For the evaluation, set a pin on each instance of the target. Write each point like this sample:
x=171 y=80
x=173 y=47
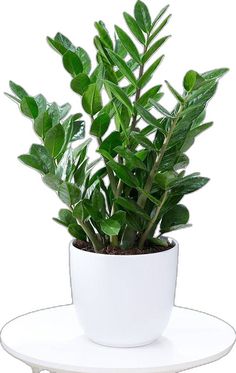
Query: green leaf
x=72 y=63
x=134 y=28
x=63 y=40
x=142 y=16
x=178 y=215
x=42 y=124
x=111 y=142
x=80 y=211
x=122 y=65
x=131 y=205
x=128 y=44
x=85 y=60
x=130 y=157
x=13 y=98
x=111 y=226
x=76 y=231
x=215 y=74
x=41 y=103
x=189 y=185
x=29 y=107
x=66 y=217
x=41 y=153
x=198 y=130
x=174 y=92
x=104 y=35
x=203 y=94
x=80 y=174
x=164 y=179
x=149 y=118
x=161 y=109
x=18 y=90
x=100 y=125
x=56 y=45
x=98 y=200
x=69 y=193
x=150 y=196
x=80 y=83
x=124 y=174
x=154 y=48
x=158 y=17
x=32 y=161
x=54 y=112
x=119 y=94
x=92 y=100
x=54 y=140
x=192 y=81
x=142 y=140
x=52 y=181
x=159 y=29
x=151 y=93
x=147 y=76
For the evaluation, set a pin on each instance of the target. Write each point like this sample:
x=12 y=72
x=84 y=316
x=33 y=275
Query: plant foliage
x=130 y=196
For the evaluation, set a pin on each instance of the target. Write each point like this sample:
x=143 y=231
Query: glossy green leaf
x=142 y=16
x=122 y=65
x=158 y=17
x=56 y=45
x=198 y=130
x=76 y=231
x=134 y=28
x=111 y=226
x=189 y=185
x=178 y=215
x=147 y=76
x=124 y=174
x=72 y=63
x=120 y=95
x=161 y=109
x=18 y=90
x=150 y=93
x=174 y=92
x=164 y=179
x=100 y=125
x=69 y=193
x=104 y=35
x=130 y=157
x=130 y=205
x=85 y=60
x=111 y=142
x=128 y=44
x=42 y=124
x=54 y=112
x=80 y=83
x=42 y=154
x=142 y=140
x=80 y=211
x=52 y=181
x=149 y=118
x=63 y=40
x=54 y=140
x=32 y=161
x=29 y=107
x=92 y=100
x=215 y=74
x=154 y=48
x=159 y=29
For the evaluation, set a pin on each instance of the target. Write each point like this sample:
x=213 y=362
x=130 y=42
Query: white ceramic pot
x=123 y=301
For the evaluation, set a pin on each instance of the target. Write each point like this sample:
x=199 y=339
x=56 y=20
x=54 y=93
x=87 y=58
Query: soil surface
x=109 y=250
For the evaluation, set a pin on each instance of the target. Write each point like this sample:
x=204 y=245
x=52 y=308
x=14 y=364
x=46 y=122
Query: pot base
x=120 y=345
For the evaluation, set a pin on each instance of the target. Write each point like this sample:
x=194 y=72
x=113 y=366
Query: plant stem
x=96 y=242
x=148 y=186
x=152 y=222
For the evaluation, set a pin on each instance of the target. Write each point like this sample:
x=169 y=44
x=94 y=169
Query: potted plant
x=120 y=206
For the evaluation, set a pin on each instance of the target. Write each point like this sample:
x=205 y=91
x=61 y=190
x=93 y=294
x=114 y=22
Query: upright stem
x=148 y=186
x=152 y=222
x=87 y=227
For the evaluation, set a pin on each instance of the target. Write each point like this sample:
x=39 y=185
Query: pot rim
x=172 y=240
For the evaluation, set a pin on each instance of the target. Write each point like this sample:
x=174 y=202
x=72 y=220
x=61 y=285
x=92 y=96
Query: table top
x=53 y=339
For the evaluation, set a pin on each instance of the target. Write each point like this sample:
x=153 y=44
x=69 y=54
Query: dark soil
x=109 y=250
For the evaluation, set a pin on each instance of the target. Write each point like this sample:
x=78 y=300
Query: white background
x=34 y=250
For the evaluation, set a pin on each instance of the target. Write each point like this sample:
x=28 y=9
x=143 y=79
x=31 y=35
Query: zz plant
x=130 y=196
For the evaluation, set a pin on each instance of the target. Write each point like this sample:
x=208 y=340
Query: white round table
x=53 y=340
